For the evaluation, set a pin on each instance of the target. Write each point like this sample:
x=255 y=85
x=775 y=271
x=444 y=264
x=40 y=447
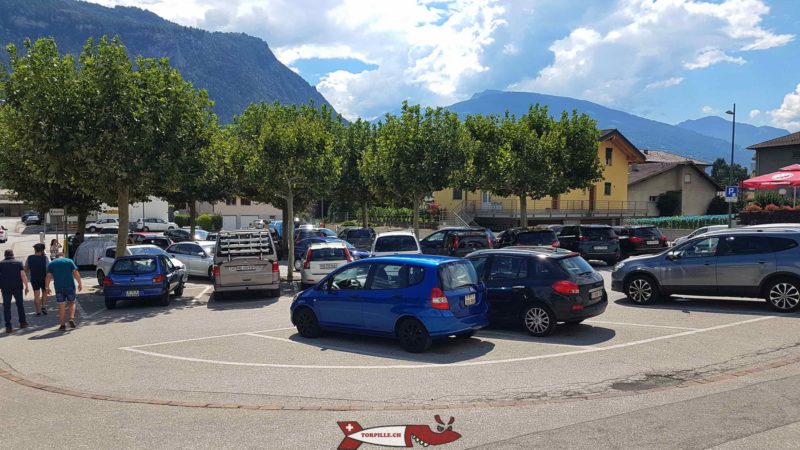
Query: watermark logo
x=407 y=436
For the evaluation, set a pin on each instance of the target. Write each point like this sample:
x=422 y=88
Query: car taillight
x=347 y=254
x=215 y=272
x=108 y=282
x=275 y=267
x=159 y=278
x=555 y=244
x=566 y=287
x=307 y=264
x=584 y=238
x=456 y=242
x=438 y=299
x=635 y=240
x=663 y=239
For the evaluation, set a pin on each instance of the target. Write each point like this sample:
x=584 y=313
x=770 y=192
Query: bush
x=765 y=198
x=772 y=208
x=718 y=205
x=209 y=222
x=682 y=222
x=788 y=208
x=182 y=220
x=752 y=207
x=668 y=203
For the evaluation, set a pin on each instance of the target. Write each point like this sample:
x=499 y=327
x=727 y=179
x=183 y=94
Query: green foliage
x=682 y=222
x=669 y=203
x=764 y=198
x=182 y=220
x=209 y=222
x=720 y=172
x=352 y=188
x=718 y=205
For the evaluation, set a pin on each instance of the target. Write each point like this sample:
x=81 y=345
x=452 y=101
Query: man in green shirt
x=63 y=271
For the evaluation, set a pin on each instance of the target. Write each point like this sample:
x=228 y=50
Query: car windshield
x=396 y=244
x=146 y=251
x=134 y=266
x=536 y=238
x=598 y=233
x=647 y=232
x=456 y=275
x=328 y=254
x=575 y=265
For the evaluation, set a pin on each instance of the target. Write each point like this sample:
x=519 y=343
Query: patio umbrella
x=785 y=176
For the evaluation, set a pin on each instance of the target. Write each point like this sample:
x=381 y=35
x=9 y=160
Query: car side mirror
x=673 y=255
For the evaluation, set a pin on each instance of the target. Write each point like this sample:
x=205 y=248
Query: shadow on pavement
x=239 y=301
x=750 y=307
x=565 y=334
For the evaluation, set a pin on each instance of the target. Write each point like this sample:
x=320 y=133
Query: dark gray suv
x=731 y=263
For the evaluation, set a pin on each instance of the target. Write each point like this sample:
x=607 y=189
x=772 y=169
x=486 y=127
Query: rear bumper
x=446 y=324
x=566 y=313
x=249 y=287
x=647 y=250
x=122 y=292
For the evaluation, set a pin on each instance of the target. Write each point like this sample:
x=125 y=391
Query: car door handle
x=762 y=262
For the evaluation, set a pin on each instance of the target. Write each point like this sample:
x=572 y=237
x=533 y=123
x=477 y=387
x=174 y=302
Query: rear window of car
x=598 y=233
x=326 y=232
x=328 y=254
x=647 y=232
x=456 y=275
x=134 y=266
x=359 y=234
x=536 y=238
x=396 y=244
x=146 y=251
x=781 y=244
x=575 y=265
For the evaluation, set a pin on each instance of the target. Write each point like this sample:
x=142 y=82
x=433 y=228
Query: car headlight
x=619 y=266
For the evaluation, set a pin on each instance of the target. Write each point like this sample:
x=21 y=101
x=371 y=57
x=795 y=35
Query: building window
x=272 y=217
x=230 y=202
x=457 y=194
x=609 y=155
x=486 y=197
x=653 y=198
x=607 y=189
x=687 y=178
x=244 y=202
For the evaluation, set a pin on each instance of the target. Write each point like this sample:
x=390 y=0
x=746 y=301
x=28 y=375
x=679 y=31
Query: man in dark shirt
x=36 y=266
x=12 y=282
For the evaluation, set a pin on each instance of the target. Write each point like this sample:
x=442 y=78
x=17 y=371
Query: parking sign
x=731 y=193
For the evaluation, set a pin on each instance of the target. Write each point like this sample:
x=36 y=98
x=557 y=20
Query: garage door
x=245 y=221
x=229 y=223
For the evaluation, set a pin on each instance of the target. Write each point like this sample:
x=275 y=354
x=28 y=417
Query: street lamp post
x=730 y=169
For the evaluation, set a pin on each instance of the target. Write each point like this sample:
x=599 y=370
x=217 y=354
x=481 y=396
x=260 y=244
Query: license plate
x=597 y=294
x=652 y=242
x=601 y=247
x=328 y=266
x=131 y=293
x=245 y=268
x=469 y=299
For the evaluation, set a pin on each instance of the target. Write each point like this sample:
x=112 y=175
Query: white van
x=395 y=243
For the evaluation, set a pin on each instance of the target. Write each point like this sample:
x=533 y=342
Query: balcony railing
x=566 y=208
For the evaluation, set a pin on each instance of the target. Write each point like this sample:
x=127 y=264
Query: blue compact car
x=143 y=276
x=413 y=298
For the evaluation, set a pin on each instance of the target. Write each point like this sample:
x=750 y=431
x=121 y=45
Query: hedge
x=765 y=217
x=182 y=220
x=682 y=222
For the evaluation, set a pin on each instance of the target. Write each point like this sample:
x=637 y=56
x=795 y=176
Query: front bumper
x=617 y=286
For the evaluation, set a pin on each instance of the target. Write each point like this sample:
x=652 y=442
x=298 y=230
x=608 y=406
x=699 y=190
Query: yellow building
x=608 y=198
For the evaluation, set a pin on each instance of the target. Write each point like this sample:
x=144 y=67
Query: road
x=201 y=373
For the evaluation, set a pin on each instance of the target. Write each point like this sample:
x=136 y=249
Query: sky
x=667 y=60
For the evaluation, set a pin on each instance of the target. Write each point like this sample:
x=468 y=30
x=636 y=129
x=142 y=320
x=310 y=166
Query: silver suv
x=730 y=263
x=245 y=261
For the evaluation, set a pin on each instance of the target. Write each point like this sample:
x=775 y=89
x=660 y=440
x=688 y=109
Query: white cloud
x=641 y=43
x=669 y=82
x=510 y=49
x=289 y=55
x=754 y=113
x=788 y=115
x=707 y=110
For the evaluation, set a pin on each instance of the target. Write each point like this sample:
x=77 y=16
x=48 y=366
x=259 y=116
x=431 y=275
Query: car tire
x=465 y=335
x=164 y=299
x=92 y=229
x=642 y=290
x=170 y=228
x=179 y=290
x=101 y=277
x=111 y=303
x=783 y=295
x=413 y=336
x=539 y=320
x=306 y=323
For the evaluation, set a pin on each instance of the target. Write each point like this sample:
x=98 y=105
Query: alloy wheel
x=640 y=290
x=784 y=296
x=537 y=320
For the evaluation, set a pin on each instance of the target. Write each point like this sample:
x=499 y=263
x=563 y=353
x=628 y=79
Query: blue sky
x=668 y=60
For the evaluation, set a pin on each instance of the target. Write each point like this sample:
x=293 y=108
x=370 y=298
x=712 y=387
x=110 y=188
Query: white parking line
x=432 y=365
x=275 y=338
x=203 y=338
x=602 y=322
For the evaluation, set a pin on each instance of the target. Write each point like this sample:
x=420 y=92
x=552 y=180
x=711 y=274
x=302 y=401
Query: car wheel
x=413 y=336
x=465 y=335
x=539 y=320
x=111 y=303
x=179 y=290
x=170 y=228
x=641 y=289
x=306 y=322
x=164 y=299
x=298 y=265
x=92 y=229
x=784 y=295
x=101 y=277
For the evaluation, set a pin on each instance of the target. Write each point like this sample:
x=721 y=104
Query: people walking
x=55 y=247
x=12 y=282
x=62 y=271
x=36 y=266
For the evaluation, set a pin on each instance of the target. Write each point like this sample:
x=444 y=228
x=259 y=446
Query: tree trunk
x=284 y=241
x=123 y=199
x=415 y=215
x=192 y=218
x=288 y=235
x=523 y=210
x=82 y=213
x=365 y=214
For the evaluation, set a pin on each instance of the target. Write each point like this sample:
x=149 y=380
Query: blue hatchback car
x=143 y=276
x=413 y=298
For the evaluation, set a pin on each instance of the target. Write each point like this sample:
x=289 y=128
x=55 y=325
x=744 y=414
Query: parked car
x=33 y=219
x=530 y=236
x=109 y=230
x=537 y=288
x=155 y=224
x=699 y=231
x=775 y=225
x=733 y=263
x=211 y=237
x=139 y=236
x=104 y=263
x=3 y=234
x=258 y=224
x=640 y=239
x=360 y=237
x=456 y=241
x=306 y=232
x=93 y=227
x=143 y=276
x=395 y=243
x=245 y=261
x=322 y=259
x=198 y=257
x=555 y=227
x=161 y=242
x=199 y=233
x=301 y=248
x=597 y=242
x=416 y=299
x=182 y=235
x=27 y=214
x=92 y=248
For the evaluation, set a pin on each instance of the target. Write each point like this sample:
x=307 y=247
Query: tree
x=353 y=188
x=416 y=154
x=288 y=152
x=720 y=172
x=481 y=167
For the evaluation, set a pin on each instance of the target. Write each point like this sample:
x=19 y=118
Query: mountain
x=644 y=133
x=235 y=69
x=720 y=128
